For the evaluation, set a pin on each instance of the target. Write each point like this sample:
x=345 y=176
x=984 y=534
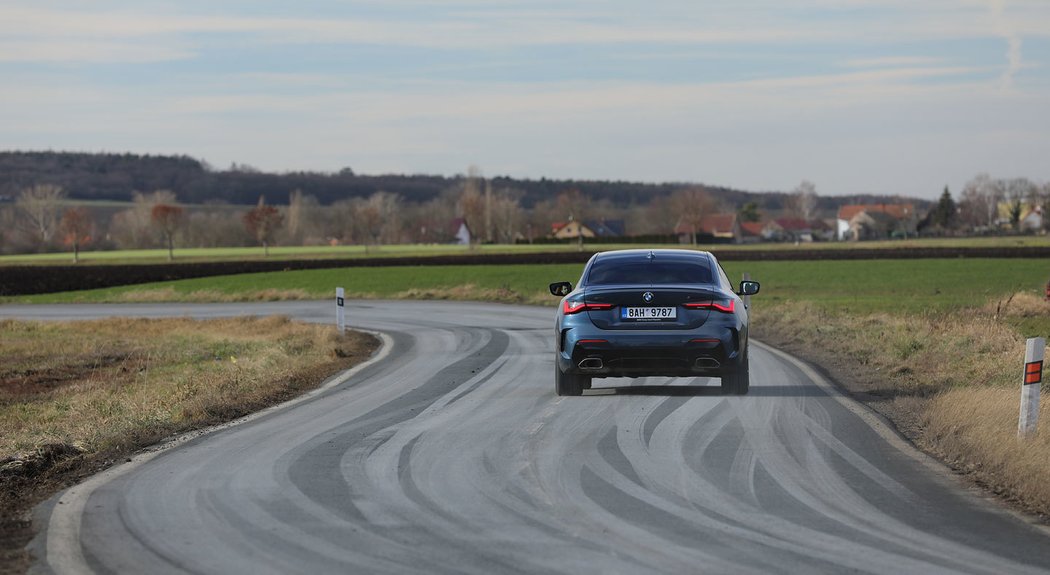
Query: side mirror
x=561 y=288
x=748 y=288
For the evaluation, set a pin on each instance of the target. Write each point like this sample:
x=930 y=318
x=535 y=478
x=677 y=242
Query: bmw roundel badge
x=648 y=297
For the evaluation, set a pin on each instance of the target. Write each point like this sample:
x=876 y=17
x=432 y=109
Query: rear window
x=617 y=271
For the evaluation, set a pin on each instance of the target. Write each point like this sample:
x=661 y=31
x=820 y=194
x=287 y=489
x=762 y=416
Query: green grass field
x=323 y=252
x=909 y=286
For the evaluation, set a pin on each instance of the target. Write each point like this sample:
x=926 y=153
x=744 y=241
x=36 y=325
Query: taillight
x=715 y=305
x=571 y=307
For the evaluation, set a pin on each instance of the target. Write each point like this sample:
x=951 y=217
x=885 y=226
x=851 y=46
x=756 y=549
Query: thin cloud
x=1003 y=27
x=450 y=31
x=31 y=30
x=88 y=51
x=449 y=101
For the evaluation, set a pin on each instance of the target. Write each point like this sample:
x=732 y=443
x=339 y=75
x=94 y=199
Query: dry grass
x=950 y=382
x=465 y=292
x=974 y=429
x=76 y=396
x=910 y=355
x=471 y=292
x=106 y=384
x=170 y=294
x=1020 y=304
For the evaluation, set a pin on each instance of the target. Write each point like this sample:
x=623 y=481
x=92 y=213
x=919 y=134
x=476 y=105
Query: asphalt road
x=452 y=454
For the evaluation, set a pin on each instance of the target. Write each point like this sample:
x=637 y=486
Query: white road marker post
x=1035 y=351
x=340 y=313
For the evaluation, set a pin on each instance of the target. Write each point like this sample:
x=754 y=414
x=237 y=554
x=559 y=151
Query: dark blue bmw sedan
x=642 y=313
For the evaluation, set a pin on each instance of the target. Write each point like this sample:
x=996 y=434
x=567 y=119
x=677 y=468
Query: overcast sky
x=858 y=96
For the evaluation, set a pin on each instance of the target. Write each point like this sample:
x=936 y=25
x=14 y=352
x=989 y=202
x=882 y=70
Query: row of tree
x=42 y=219
x=493 y=213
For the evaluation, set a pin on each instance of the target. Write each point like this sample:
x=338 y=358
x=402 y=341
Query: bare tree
x=979 y=201
x=343 y=224
x=77 y=227
x=305 y=222
x=657 y=216
x=430 y=222
x=368 y=223
x=134 y=227
x=39 y=206
x=294 y=219
x=213 y=228
x=168 y=219
x=261 y=222
x=540 y=219
x=507 y=214
x=994 y=193
x=120 y=230
x=803 y=201
x=691 y=205
x=974 y=211
x=384 y=218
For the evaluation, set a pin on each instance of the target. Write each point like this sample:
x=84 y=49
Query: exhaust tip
x=591 y=363
x=706 y=363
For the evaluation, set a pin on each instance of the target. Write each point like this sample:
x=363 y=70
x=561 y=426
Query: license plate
x=649 y=313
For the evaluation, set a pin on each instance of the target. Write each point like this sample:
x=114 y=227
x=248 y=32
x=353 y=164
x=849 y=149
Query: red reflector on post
x=1033 y=372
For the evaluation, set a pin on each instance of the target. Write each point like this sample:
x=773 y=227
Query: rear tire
x=569 y=383
x=739 y=381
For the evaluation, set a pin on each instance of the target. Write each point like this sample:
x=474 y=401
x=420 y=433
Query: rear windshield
x=620 y=272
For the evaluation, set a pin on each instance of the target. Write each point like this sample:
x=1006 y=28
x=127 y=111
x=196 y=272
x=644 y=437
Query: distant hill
x=107 y=176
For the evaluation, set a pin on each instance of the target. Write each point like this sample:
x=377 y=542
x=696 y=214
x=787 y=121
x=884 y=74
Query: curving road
x=451 y=454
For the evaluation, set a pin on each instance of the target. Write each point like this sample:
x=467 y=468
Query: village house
x=460 y=232
x=795 y=230
x=786 y=230
x=589 y=229
x=753 y=232
x=876 y=221
x=713 y=228
x=1031 y=217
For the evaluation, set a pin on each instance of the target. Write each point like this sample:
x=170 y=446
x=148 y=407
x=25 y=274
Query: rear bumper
x=710 y=352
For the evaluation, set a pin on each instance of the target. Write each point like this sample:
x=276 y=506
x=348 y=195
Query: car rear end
x=651 y=313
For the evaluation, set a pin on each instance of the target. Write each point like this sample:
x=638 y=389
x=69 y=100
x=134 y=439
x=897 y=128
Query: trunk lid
x=663 y=296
